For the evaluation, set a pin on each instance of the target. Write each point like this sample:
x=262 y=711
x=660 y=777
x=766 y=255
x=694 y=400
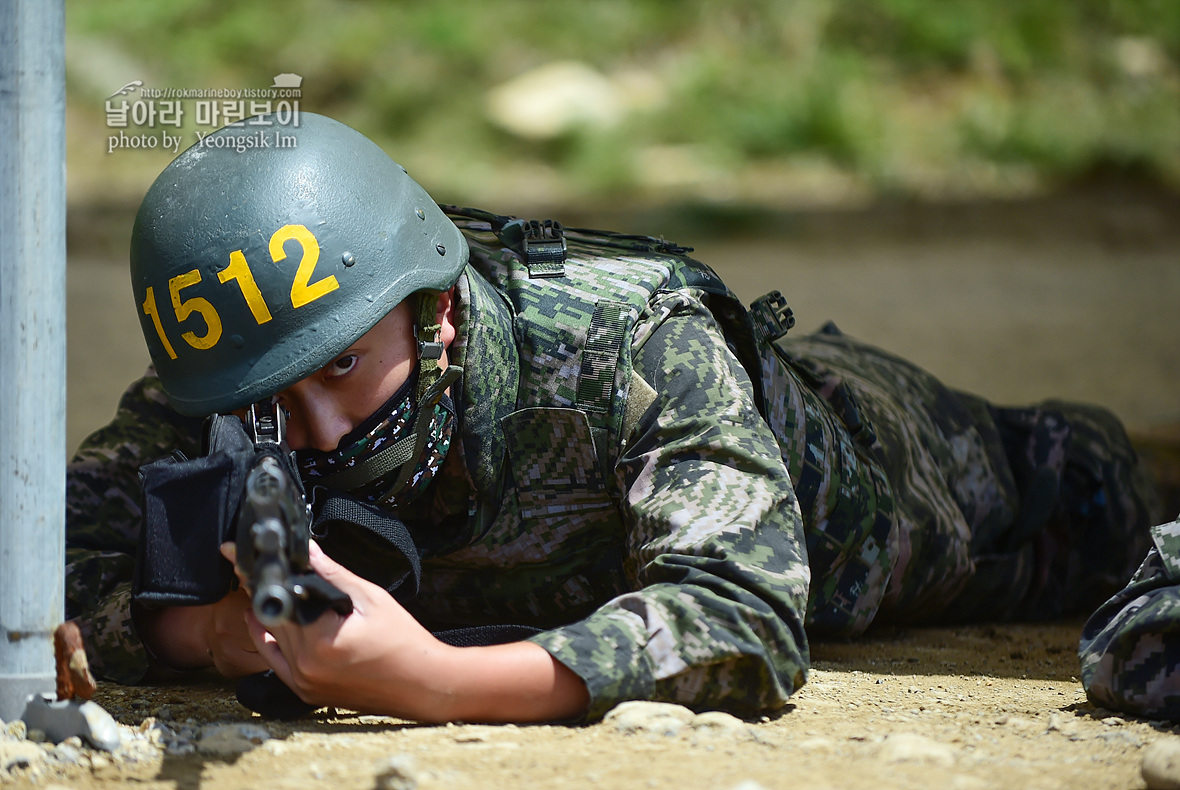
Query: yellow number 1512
x=303 y=291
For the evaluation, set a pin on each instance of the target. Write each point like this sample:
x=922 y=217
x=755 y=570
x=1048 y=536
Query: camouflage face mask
x=392 y=456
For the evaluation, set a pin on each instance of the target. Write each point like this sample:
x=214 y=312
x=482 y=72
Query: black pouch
x=188 y=511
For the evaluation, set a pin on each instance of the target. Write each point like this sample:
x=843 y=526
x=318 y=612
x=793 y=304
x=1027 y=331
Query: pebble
x=25 y=750
x=748 y=784
x=1122 y=738
x=1018 y=723
x=816 y=744
x=229 y=739
x=649 y=718
x=397 y=773
x=1161 y=765
x=905 y=747
x=716 y=723
x=20 y=754
x=61 y=719
x=1059 y=723
x=65 y=753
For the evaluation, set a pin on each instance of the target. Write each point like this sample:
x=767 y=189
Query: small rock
x=65 y=753
x=906 y=747
x=16 y=730
x=816 y=744
x=651 y=718
x=397 y=773
x=1061 y=724
x=227 y=739
x=156 y=733
x=20 y=754
x=748 y=784
x=139 y=750
x=1161 y=765
x=1122 y=738
x=61 y=719
x=719 y=723
x=1016 y=722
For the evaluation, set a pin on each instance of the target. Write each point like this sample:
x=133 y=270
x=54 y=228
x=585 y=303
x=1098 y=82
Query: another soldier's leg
x=946 y=464
x=1056 y=504
x=1096 y=527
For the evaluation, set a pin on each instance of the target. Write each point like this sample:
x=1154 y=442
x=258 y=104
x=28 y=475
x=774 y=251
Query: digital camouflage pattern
x=994 y=513
x=104 y=513
x=1130 y=647
x=638 y=476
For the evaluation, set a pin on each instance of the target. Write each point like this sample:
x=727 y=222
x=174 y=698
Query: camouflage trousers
x=992 y=513
x=1130 y=646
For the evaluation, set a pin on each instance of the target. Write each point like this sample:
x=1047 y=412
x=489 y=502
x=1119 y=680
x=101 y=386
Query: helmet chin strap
x=432 y=381
x=430 y=348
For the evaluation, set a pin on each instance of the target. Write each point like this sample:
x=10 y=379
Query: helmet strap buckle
x=429 y=349
x=428 y=333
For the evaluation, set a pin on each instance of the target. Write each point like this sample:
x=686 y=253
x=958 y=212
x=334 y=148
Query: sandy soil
x=1073 y=296
x=972 y=708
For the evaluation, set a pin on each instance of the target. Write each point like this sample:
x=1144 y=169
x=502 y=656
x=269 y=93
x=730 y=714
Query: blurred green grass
x=746 y=100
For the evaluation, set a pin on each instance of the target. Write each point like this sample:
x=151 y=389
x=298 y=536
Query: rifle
x=273 y=530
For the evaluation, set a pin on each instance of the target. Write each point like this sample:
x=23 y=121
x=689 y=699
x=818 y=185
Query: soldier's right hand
x=197 y=637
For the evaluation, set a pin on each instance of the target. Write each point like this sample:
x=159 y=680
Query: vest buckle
x=544 y=248
x=772 y=317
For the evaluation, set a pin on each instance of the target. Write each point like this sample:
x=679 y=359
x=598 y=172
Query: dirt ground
x=970 y=708
x=1072 y=296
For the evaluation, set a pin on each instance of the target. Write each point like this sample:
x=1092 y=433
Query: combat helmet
x=264 y=250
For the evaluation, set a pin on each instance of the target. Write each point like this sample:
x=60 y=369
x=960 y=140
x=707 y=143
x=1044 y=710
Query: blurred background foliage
x=782 y=102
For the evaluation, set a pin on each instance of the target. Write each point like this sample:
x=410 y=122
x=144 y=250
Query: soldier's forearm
x=175 y=635
x=517 y=682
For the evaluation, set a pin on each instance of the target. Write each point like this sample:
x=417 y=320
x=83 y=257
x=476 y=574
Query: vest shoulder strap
x=622 y=271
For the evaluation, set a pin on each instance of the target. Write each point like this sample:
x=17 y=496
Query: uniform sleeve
x=103 y=518
x=1130 y=647
x=715 y=546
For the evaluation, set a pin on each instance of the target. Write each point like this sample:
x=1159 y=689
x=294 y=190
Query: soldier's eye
x=341 y=366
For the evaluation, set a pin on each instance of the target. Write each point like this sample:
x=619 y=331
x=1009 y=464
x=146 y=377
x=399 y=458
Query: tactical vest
x=548 y=536
x=547 y=530
x=575 y=295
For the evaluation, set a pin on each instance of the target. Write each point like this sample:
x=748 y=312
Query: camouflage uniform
x=1130 y=646
x=651 y=494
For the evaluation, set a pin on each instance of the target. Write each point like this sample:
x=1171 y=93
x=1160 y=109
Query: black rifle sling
x=368 y=541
